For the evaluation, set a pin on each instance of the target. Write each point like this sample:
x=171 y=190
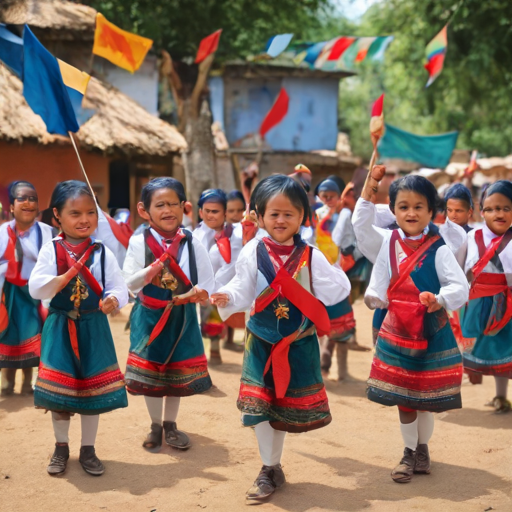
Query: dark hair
x=158 y=183
x=503 y=187
x=13 y=187
x=339 y=181
x=236 y=195
x=461 y=193
x=417 y=184
x=297 y=176
x=68 y=190
x=213 y=195
x=279 y=184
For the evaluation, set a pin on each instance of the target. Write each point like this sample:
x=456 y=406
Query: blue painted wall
x=311 y=122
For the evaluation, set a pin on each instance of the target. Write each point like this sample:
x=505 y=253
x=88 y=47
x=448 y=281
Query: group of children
x=278 y=269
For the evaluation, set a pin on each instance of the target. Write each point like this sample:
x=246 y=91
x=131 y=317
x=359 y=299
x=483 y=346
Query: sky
x=353 y=9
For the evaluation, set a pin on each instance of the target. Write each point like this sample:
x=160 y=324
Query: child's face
x=213 y=215
x=165 y=211
x=497 y=213
x=78 y=218
x=458 y=211
x=282 y=219
x=412 y=212
x=235 y=211
x=329 y=198
x=25 y=208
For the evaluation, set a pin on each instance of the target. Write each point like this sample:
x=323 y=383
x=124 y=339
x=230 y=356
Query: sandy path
x=342 y=467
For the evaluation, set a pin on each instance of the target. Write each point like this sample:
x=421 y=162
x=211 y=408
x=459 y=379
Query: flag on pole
x=377 y=120
x=277 y=113
x=11 y=50
x=278 y=44
x=44 y=88
x=120 y=47
x=436 y=51
x=208 y=46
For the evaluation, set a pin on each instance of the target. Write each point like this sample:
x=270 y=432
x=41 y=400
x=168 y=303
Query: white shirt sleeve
x=369 y=237
x=330 y=284
x=242 y=288
x=133 y=267
x=224 y=272
x=41 y=285
x=341 y=232
x=205 y=275
x=456 y=240
x=454 y=290
x=376 y=295
x=114 y=283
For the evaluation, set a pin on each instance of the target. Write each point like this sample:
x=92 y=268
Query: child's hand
x=220 y=300
x=109 y=304
x=429 y=300
x=193 y=296
x=153 y=270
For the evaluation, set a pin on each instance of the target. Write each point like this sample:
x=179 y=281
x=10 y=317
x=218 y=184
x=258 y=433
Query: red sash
x=223 y=240
x=122 y=231
x=14 y=265
x=172 y=252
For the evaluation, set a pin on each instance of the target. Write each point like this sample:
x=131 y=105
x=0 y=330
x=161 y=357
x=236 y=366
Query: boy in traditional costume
x=417 y=365
x=487 y=317
x=169 y=270
x=21 y=316
x=78 y=373
x=289 y=284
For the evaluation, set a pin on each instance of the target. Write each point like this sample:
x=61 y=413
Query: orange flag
x=207 y=46
x=122 y=48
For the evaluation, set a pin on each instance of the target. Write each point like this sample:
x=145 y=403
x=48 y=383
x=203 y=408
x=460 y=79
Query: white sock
x=501 y=386
x=270 y=442
x=89 y=429
x=410 y=434
x=60 y=428
x=171 y=408
x=425 y=426
x=154 y=405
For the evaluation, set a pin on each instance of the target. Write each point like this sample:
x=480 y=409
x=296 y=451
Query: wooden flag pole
x=81 y=165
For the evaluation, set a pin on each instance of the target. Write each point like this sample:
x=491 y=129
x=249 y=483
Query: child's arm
x=376 y=293
x=330 y=283
x=205 y=275
x=115 y=295
x=239 y=294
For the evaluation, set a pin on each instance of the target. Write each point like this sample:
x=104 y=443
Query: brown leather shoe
x=402 y=474
x=269 y=479
x=422 y=461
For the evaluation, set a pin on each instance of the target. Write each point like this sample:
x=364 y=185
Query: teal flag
x=432 y=151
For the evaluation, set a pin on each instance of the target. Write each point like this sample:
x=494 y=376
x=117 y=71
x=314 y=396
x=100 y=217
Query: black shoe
x=153 y=441
x=422 y=462
x=174 y=437
x=59 y=460
x=269 y=479
x=402 y=474
x=90 y=462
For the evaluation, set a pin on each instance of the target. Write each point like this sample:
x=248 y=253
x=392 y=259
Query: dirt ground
x=343 y=467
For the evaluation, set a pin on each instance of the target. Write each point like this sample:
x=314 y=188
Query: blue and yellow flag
x=11 y=50
x=44 y=88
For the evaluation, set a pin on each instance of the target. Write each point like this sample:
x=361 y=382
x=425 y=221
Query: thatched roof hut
x=119 y=125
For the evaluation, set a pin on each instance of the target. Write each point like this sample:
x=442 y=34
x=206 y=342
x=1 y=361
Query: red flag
x=208 y=46
x=339 y=47
x=276 y=113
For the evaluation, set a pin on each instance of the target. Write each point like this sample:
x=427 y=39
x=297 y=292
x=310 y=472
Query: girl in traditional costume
x=169 y=271
x=417 y=364
x=289 y=284
x=223 y=243
x=78 y=373
x=21 y=316
x=487 y=317
x=459 y=205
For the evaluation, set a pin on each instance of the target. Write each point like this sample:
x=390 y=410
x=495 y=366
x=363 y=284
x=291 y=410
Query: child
x=235 y=207
x=487 y=316
x=78 y=372
x=166 y=349
x=21 y=316
x=417 y=364
x=289 y=284
x=223 y=244
x=459 y=205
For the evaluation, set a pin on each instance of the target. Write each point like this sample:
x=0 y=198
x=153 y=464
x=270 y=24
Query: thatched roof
x=59 y=15
x=120 y=125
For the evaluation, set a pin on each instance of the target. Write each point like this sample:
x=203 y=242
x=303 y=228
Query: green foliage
x=472 y=93
x=179 y=25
